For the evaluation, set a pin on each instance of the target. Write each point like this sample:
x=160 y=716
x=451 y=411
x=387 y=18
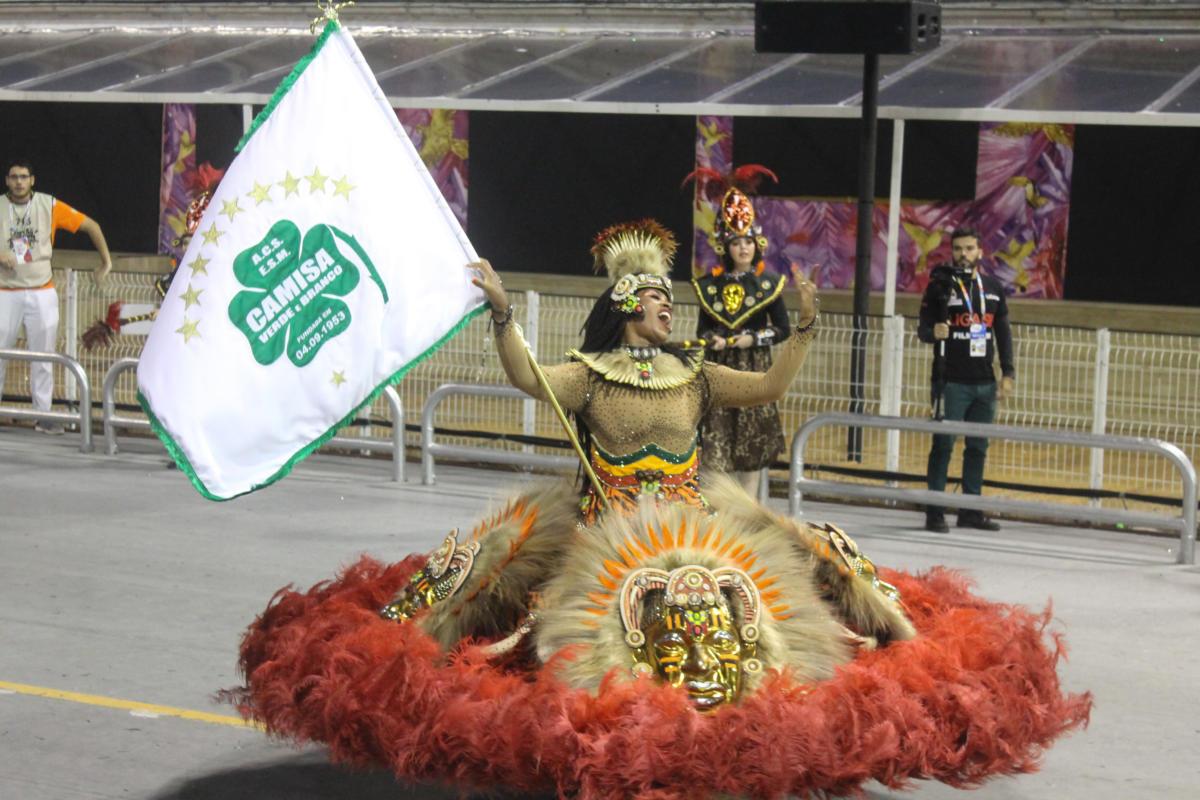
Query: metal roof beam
x=645 y=69
x=758 y=77
x=1179 y=88
x=431 y=57
x=241 y=48
x=522 y=68
x=74 y=40
x=96 y=62
x=1046 y=71
x=908 y=69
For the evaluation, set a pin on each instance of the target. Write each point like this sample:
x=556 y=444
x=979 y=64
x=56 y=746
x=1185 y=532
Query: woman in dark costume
x=742 y=316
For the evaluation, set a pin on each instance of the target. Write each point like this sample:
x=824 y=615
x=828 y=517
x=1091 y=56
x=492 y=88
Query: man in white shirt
x=28 y=222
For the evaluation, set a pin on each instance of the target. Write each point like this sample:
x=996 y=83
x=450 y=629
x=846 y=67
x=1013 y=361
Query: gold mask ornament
x=680 y=626
x=442 y=576
x=733 y=294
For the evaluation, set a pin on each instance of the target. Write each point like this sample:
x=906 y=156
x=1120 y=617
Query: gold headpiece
x=636 y=255
x=444 y=573
x=735 y=218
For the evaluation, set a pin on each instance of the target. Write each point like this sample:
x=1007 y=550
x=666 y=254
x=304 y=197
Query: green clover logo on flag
x=291 y=302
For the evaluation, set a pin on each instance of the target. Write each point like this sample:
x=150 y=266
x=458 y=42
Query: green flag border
x=185 y=466
x=286 y=85
x=172 y=446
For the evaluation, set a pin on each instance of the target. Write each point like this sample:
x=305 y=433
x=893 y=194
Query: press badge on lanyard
x=978 y=330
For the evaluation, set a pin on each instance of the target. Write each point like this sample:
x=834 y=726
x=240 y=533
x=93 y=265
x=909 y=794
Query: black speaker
x=847 y=26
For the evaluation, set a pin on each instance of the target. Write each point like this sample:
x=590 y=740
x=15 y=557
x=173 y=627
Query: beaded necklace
x=643 y=359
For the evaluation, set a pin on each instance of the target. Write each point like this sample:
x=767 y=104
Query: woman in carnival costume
x=742 y=316
x=664 y=635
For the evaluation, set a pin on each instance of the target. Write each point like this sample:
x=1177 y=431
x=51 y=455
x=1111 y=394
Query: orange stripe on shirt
x=65 y=217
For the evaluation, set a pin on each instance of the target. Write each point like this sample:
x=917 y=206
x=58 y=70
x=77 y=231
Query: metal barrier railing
x=1185 y=524
x=83 y=417
x=430 y=449
x=395 y=445
x=110 y=419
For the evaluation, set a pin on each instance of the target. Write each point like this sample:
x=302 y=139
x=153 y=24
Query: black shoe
x=978 y=521
x=936 y=524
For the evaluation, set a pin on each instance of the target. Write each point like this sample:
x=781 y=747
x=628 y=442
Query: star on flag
x=190 y=328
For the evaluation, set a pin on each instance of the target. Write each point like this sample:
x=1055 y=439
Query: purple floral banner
x=1021 y=206
x=178 y=160
x=440 y=136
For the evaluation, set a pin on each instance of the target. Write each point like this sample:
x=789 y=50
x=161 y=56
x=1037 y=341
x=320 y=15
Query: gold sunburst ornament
x=328 y=13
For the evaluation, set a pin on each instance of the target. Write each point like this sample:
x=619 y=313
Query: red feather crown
x=201 y=183
x=735 y=218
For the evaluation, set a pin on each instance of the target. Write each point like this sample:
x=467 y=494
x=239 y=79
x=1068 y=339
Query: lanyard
x=12 y=214
x=967 y=299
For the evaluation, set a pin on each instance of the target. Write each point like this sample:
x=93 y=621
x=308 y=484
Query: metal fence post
x=399 y=454
x=533 y=309
x=891 y=379
x=1099 y=409
x=71 y=326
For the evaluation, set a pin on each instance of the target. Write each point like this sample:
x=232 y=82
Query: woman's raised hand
x=489 y=281
x=806 y=294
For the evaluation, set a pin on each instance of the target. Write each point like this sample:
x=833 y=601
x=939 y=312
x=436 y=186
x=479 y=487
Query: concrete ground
x=119 y=583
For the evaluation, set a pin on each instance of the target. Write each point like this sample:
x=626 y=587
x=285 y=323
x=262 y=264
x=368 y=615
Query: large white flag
x=326 y=266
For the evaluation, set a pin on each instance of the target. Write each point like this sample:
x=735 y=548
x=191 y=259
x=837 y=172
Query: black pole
x=862 y=260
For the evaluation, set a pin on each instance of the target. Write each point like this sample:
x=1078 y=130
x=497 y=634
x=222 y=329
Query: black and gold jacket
x=746 y=303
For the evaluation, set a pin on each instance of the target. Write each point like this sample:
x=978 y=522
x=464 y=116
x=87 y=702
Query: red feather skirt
x=975 y=694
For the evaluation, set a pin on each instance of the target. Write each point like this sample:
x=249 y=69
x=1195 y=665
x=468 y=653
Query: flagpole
x=562 y=418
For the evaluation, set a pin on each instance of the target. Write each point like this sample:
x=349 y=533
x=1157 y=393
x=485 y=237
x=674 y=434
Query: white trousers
x=38 y=310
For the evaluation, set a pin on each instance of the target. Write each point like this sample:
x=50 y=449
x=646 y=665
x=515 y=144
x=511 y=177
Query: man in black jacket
x=965 y=316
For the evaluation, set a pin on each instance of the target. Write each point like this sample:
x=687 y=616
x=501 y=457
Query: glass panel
x=490 y=57
x=238 y=66
x=819 y=80
x=975 y=73
x=169 y=54
x=1123 y=74
x=14 y=45
x=696 y=76
x=583 y=69
x=90 y=48
x=1188 y=101
x=381 y=52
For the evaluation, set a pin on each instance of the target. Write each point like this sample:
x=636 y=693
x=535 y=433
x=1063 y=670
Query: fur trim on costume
x=861 y=605
x=976 y=694
x=581 y=615
x=520 y=546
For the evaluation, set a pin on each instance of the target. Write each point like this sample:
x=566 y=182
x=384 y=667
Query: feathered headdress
x=636 y=255
x=735 y=217
x=201 y=183
x=101 y=332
